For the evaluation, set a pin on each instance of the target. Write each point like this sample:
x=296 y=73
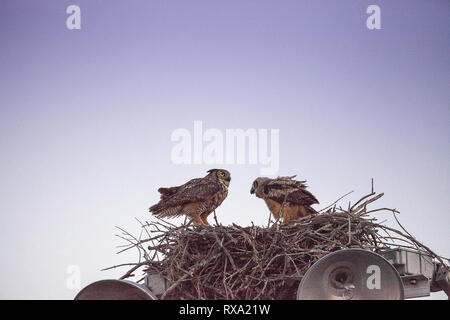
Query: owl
x=285 y=195
x=196 y=198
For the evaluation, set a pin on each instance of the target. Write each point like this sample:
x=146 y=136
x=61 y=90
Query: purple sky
x=86 y=116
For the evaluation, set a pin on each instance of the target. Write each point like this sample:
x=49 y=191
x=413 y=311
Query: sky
x=87 y=116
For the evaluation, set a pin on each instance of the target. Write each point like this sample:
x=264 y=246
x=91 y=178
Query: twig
x=234 y=262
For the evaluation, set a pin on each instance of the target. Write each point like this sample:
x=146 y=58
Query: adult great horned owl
x=285 y=195
x=196 y=198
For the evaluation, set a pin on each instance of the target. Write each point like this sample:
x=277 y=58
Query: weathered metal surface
x=156 y=283
x=351 y=274
x=410 y=262
x=441 y=280
x=416 y=286
x=115 y=290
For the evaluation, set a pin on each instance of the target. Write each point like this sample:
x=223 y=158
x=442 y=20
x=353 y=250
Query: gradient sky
x=86 y=117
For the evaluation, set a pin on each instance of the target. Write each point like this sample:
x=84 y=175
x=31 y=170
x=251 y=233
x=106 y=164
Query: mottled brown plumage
x=196 y=198
x=286 y=196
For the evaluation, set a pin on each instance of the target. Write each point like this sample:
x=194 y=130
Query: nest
x=252 y=263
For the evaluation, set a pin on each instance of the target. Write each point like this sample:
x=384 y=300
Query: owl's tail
x=167 y=192
x=162 y=210
x=155 y=209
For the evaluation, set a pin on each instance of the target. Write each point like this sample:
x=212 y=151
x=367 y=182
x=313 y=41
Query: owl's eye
x=255 y=184
x=221 y=174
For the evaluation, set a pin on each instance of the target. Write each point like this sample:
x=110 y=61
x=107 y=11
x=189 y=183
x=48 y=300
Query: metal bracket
x=441 y=280
x=420 y=274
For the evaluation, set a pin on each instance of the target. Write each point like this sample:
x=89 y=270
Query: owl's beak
x=252 y=190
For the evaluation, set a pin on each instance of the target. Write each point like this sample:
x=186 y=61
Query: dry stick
x=280 y=214
x=143 y=227
x=368 y=201
x=264 y=258
x=120 y=265
x=363 y=198
x=381 y=209
x=137 y=242
x=327 y=207
x=415 y=242
x=349 y=226
x=411 y=237
x=129 y=246
x=270 y=219
x=226 y=251
x=215 y=218
x=129 y=273
x=191 y=271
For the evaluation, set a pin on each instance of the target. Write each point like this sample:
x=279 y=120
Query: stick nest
x=251 y=263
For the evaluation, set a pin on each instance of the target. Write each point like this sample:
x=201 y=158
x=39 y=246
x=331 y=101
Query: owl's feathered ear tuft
x=212 y=170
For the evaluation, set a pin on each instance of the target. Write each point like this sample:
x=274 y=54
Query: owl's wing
x=280 y=192
x=282 y=185
x=170 y=191
x=287 y=183
x=193 y=192
x=302 y=197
